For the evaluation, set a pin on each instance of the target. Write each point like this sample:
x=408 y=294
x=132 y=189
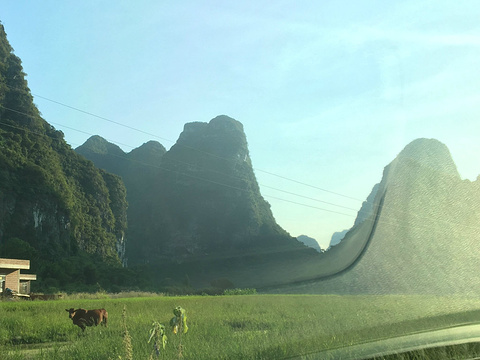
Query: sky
x=329 y=92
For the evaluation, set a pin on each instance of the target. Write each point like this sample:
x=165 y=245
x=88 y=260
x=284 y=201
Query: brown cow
x=83 y=318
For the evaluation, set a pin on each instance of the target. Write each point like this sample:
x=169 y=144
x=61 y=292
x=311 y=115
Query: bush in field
x=157 y=333
x=179 y=326
x=248 y=291
x=209 y=292
x=179 y=321
x=104 y=295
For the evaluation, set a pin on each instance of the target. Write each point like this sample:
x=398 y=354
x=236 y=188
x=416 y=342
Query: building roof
x=28 y=277
x=14 y=264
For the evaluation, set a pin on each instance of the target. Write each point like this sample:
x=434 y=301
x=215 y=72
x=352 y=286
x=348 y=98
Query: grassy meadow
x=223 y=327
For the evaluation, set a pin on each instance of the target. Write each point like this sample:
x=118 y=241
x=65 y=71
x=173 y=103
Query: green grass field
x=224 y=327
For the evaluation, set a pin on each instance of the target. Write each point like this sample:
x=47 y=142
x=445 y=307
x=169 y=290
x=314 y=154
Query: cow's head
x=71 y=312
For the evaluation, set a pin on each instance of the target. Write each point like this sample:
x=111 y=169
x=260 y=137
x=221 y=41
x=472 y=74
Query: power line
x=127 y=126
x=383 y=221
x=310 y=206
x=307 y=197
x=305 y=184
x=231 y=176
x=193 y=176
x=90 y=134
x=100 y=117
x=210 y=154
x=172 y=141
x=222 y=184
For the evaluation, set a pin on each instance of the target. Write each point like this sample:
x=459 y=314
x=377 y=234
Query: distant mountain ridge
x=110 y=156
x=337 y=237
x=311 y=242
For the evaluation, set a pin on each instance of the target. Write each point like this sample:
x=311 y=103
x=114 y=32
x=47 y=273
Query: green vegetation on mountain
x=139 y=171
x=53 y=202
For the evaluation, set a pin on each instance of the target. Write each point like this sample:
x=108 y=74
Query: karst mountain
x=56 y=207
x=197 y=204
x=418 y=232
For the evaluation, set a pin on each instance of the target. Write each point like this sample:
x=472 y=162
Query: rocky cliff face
x=139 y=170
x=50 y=197
x=211 y=192
x=41 y=220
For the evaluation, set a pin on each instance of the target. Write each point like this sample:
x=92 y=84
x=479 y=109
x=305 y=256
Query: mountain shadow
x=198 y=207
x=139 y=171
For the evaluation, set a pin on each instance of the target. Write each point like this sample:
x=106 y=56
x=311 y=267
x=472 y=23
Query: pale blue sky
x=329 y=92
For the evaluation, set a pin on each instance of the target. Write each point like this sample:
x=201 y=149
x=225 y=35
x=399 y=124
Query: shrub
x=248 y=291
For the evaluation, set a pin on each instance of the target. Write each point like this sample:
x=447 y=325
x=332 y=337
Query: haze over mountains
x=337 y=237
x=196 y=214
x=198 y=201
x=195 y=211
x=421 y=231
x=311 y=242
x=414 y=233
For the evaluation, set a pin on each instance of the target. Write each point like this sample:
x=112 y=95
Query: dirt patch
x=31 y=351
x=248 y=325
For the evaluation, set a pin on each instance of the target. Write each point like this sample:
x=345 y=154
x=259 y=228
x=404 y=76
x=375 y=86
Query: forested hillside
x=56 y=208
x=139 y=171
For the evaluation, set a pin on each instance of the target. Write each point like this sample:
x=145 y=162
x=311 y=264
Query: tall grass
x=127 y=339
x=224 y=327
x=104 y=295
